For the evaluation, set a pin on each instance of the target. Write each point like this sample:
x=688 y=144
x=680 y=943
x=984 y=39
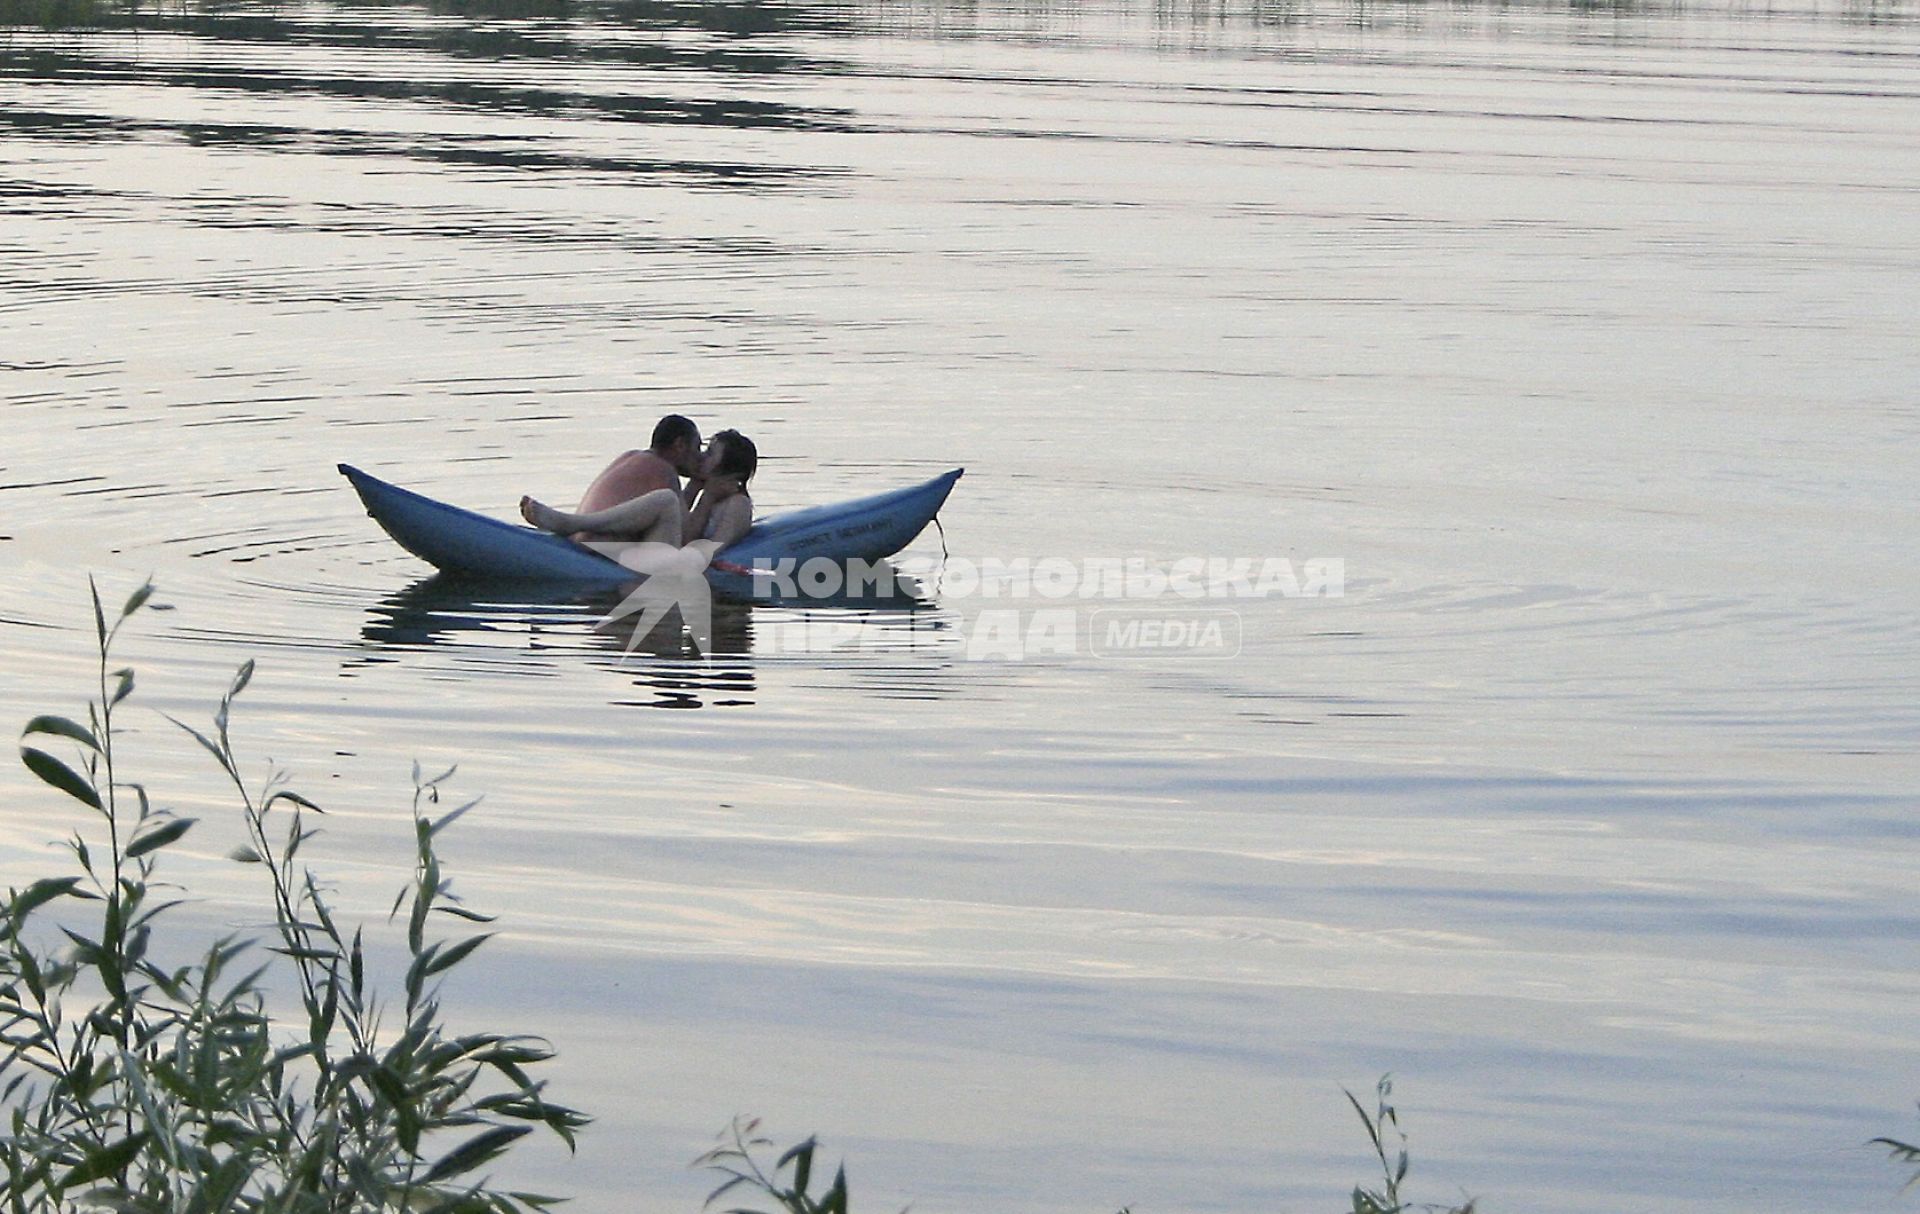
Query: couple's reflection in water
x=703 y=657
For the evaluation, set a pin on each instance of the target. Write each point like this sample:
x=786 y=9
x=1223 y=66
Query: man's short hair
x=671 y=429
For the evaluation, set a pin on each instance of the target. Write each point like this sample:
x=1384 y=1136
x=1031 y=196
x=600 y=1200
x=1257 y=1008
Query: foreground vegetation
x=138 y=1084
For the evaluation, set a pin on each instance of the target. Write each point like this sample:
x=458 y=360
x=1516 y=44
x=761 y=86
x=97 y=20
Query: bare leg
x=655 y=517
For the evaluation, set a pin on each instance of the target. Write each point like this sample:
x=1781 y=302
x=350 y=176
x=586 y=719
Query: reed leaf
x=37 y=895
x=106 y=1160
x=158 y=837
x=63 y=727
x=60 y=776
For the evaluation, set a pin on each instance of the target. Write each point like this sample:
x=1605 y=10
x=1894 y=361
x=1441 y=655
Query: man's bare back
x=635 y=474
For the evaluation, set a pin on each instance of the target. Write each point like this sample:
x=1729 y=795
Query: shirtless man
x=675 y=453
x=713 y=512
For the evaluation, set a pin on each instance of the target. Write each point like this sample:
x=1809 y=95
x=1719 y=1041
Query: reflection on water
x=1581 y=332
x=659 y=653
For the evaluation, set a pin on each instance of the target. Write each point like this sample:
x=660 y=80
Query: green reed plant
x=1901 y=1152
x=1381 y=1125
x=147 y=1086
x=786 y=1182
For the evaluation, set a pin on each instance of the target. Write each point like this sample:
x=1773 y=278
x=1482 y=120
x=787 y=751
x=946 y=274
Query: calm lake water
x=1583 y=336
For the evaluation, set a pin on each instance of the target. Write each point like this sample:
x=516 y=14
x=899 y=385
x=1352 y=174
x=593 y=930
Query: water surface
x=1582 y=335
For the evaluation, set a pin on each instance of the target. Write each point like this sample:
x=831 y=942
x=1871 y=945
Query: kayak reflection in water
x=642 y=532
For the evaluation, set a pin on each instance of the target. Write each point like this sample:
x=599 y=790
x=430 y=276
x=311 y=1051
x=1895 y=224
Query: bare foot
x=544 y=516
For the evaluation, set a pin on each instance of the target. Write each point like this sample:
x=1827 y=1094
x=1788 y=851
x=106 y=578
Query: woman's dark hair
x=671 y=429
x=738 y=456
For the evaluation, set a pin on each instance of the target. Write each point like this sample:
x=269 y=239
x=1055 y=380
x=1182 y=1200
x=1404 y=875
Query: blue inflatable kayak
x=461 y=542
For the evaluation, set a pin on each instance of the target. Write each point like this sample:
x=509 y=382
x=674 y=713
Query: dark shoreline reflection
x=561 y=621
x=521 y=59
x=477 y=65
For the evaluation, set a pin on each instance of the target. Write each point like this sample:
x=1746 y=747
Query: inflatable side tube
x=471 y=545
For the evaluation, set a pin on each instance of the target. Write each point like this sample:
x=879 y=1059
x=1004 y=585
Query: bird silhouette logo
x=670 y=579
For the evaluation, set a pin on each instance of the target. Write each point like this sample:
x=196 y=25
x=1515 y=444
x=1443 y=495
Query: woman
x=720 y=510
